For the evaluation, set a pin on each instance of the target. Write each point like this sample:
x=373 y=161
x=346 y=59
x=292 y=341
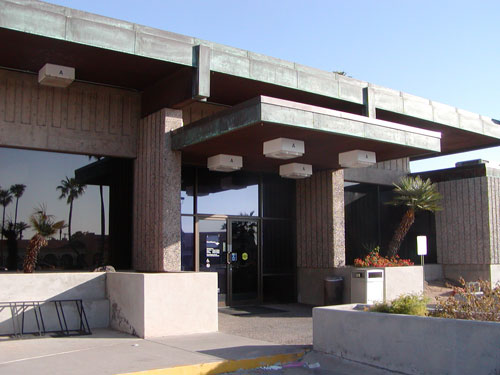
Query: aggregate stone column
x=320 y=232
x=157 y=185
x=468 y=228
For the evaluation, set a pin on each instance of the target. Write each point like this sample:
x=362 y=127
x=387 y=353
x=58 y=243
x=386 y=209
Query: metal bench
x=18 y=311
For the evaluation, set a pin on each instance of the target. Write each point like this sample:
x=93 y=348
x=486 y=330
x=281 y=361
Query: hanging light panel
x=283 y=148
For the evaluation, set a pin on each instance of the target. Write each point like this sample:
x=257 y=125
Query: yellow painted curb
x=221 y=367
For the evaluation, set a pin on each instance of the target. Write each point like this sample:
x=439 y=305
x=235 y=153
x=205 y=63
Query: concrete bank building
x=234 y=177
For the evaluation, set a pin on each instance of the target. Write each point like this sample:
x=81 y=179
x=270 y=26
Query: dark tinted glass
x=278 y=196
x=187 y=190
x=278 y=246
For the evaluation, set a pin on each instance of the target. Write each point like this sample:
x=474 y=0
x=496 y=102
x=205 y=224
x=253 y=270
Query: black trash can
x=334 y=290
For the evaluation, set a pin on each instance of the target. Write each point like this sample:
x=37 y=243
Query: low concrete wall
x=410 y=344
x=470 y=272
x=163 y=304
x=90 y=287
x=397 y=281
x=403 y=280
x=495 y=274
x=310 y=284
x=433 y=272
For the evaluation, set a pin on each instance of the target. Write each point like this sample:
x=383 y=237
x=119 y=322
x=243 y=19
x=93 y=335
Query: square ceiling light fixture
x=224 y=163
x=56 y=75
x=296 y=170
x=283 y=148
x=357 y=159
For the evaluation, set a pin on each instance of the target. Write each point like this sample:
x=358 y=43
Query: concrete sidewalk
x=108 y=352
x=111 y=352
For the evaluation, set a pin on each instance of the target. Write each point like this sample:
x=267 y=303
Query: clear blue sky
x=447 y=50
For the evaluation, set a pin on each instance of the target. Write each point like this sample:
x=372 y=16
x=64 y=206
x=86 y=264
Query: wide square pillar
x=320 y=232
x=157 y=185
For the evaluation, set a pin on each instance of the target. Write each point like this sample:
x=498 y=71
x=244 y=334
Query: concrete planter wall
x=397 y=281
x=90 y=287
x=163 y=304
x=146 y=305
x=410 y=344
x=403 y=280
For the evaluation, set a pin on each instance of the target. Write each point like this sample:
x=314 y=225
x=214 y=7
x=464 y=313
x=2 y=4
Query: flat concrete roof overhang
x=241 y=130
x=162 y=66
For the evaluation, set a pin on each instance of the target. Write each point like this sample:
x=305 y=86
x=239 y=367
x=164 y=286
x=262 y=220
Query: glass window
x=187 y=243
x=235 y=193
x=35 y=178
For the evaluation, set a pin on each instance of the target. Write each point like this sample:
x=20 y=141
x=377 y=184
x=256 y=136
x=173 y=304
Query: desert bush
x=472 y=301
x=408 y=304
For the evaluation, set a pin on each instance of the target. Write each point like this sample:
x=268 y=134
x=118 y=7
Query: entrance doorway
x=231 y=247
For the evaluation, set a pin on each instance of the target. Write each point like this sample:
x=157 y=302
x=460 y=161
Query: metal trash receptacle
x=333 y=290
x=367 y=286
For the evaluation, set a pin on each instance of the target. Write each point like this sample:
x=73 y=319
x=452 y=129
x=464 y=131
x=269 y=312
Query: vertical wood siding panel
x=309 y=253
x=49 y=111
x=103 y=113
x=127 y=116
x=10 y=101
x=331 y=212
x=158 y=190
x=495 y=220
x=33 y=105
x=471 y=214
x=116 y=114
x=478 y=219
x=439 y=234
x=324 y=217
x=299 y=221
x=450 y=225
x=484 y=256
x=3 y=98
x=72 y=109
x=314 y=210
x=463 y=219
x=18 y=110
x=41 y=115
x=57 y=108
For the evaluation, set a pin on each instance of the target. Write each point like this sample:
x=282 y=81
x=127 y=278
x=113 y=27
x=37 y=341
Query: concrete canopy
x=161 y=65
x=241 y=130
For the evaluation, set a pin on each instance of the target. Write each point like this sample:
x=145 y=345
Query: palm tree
x=417 y=195
x=20 y=228
x=71 y=190
x=45 y=226
x=17 y=191
x=5 y=200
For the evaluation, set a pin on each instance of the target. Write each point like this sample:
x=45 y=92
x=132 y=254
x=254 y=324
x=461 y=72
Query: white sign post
x=422 y=250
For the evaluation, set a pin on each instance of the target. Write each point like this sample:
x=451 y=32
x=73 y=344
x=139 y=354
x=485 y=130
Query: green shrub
x=409 y=304
x=472 y=301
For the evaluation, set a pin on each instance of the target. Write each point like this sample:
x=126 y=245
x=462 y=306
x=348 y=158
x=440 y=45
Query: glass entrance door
x=213 y=252
x=230 y=247
x=243 y=261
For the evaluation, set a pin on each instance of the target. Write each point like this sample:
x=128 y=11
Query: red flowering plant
x=374 y=259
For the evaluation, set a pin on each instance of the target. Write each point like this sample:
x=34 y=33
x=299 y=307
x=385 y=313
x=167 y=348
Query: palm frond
x=418 y=194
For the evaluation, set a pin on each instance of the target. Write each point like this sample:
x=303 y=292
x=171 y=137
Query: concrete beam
x=277 y=111
x=201 y=81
